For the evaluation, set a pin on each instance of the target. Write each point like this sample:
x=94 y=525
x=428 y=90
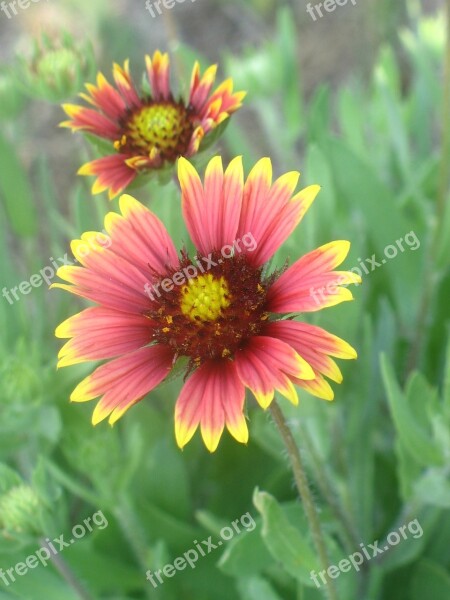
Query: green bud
x=57 y=69
x=96 y=453
x=19 y=510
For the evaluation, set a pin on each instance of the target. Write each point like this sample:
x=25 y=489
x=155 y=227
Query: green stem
x=305 y=495
x=331 y=496
x=132 y=530
x=67 y=574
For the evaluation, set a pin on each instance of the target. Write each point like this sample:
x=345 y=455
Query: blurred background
x=358 y=101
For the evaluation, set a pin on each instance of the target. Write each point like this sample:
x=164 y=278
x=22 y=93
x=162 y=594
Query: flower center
x=204 y=298
x=213 y=312
x=164 y=126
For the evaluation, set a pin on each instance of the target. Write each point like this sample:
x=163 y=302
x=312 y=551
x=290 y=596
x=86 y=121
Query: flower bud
x=19 y=510
x=57 y=68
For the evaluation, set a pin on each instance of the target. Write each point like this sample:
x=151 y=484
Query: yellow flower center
x=161 y=125
x=204 y=297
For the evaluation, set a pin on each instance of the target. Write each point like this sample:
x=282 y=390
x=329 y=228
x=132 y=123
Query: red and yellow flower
x=218 y=309
x=148 y=132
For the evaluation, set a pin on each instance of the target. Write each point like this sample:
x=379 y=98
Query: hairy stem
x=67 y=574
x=305 y=495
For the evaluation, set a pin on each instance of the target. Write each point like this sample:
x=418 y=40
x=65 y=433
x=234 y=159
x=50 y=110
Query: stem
x=133 y=533
x=67 y=574
x=326 y=487
x=305 y=494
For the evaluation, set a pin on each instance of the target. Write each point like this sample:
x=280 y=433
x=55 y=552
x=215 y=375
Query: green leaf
x=246 y=554
x=38 y=583
x=370 y=206
x=213 y=136
x=288 y=545
x=446 y=383
x=105 y=573
x=352 y=119
x=8 y=478
x=410 y=431
x=288 y=64
x=256 y=588
x=169 y=488
x=430 y=580
x=410 y=548
x=318 y=172
x=434 y=488
x=319 y=114
x=16 y=191
x=388 y=87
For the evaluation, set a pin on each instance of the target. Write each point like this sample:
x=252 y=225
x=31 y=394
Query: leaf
x=446 y=384
x=369 y=204
x=417 y=538
x=434 y=488
x=38 y=583
x=256 y=588
x=8 y=478
x=287 y=63
x=15 y=189
x=430 y=580
x=246 y=554
x=213 y=136
x=168 y=488
x=319 y=114
x=411 y=433
x=352 y=119
x=106 y=573
x=288 y=546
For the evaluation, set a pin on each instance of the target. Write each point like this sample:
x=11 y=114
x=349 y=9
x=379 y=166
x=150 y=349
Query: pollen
x=205 y=297
x=163 y=127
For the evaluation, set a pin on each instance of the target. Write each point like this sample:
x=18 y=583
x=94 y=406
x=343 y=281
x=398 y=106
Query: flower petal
x=106 y=98
x=125 y=84
x=124 y=381
x=201 y=86
x=269 y=211
x=113 y=174
x=311 y=284
x=86 y=119
x=158 y=75
x=223 y=102
x=267 y=364
x=99 y=333
x=100 y=288
x=212 y=396
x=212 y=214
x=316 y=346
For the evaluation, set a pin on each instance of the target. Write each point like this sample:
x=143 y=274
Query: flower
x=218 y=309
x=148 y=132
